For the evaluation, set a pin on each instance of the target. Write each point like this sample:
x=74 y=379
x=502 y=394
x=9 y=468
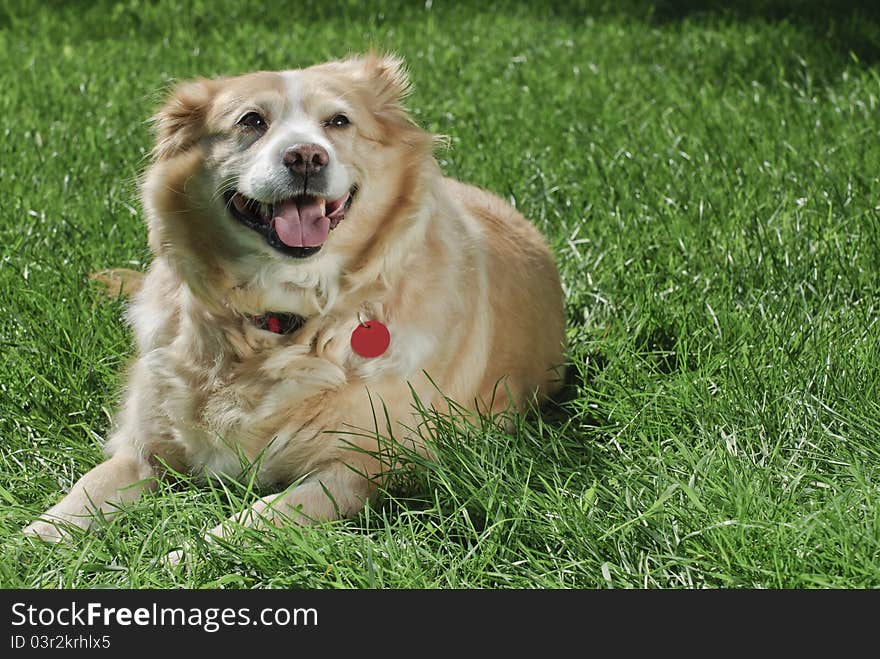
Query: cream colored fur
x=466 y=286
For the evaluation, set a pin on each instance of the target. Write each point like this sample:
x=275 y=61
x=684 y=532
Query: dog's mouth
x=297 y=226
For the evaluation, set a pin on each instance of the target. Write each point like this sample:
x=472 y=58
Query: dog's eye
x=337 y=121
x=255 y=121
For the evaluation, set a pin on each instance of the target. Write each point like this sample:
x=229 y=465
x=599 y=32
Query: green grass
x=709 y=183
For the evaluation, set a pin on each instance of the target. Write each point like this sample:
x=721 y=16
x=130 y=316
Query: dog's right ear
x=180 y=122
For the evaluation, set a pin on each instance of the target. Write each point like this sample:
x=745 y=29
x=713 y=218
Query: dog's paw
x=183 y=556
x=173 y=558
x=45 y=531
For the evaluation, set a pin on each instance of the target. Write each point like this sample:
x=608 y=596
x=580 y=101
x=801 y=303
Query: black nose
x=306 y=158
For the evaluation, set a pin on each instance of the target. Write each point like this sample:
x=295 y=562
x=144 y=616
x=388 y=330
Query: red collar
x=279 y=323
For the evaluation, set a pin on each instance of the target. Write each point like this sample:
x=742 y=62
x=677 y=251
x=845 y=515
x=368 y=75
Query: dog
x=313 y=275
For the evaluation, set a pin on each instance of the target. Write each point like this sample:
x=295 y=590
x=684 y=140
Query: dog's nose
x=306 y=158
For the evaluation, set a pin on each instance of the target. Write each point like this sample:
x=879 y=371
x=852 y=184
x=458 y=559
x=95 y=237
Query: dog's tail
x=118 y=282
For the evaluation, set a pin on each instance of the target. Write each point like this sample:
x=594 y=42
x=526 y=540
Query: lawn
x=710 y=184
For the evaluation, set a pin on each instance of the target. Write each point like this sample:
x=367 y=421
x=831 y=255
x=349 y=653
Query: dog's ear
x=383 y=79
x=385 y=85
x=180 y=122
x=388 y=73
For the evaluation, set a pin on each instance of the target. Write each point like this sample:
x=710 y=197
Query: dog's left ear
x=384 y=79
x=180 y=122
x=389 y=76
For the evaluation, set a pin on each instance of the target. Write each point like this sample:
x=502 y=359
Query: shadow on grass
x=845 y=26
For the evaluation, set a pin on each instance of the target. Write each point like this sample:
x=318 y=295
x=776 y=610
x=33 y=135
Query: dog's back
x=525 y=296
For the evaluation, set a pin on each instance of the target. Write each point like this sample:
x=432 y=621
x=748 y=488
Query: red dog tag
x=370 y=339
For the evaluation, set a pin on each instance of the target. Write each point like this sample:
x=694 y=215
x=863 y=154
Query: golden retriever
x=313 y=272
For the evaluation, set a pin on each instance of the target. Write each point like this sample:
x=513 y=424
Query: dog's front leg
x=354 y=468
x=118 y=480
x=337 y=491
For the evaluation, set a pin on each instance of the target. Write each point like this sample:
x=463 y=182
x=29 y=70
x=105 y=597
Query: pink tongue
x=300 y=223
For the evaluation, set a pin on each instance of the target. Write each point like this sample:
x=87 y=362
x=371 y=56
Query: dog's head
x=281 y=169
